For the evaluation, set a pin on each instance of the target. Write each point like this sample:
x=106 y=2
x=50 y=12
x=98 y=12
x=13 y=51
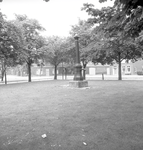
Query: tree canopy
x=116 y=30
x=54 y=51
x=127 y=5
x=32 y=40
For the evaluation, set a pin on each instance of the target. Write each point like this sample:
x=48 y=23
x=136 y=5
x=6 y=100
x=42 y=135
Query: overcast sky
x=56 y=16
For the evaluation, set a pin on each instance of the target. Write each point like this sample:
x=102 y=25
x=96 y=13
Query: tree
x=54 y=52
x=120 y=49
x=11 y=39
x=32 y=40
x=139 y=43
x=132 y=15
x=116 y=43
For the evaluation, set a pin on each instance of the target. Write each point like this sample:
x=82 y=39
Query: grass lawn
x=106 y=116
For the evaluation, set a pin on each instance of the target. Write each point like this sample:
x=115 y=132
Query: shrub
x=139 y=72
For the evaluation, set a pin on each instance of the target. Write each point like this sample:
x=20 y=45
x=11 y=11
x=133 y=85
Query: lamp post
x=78 y=67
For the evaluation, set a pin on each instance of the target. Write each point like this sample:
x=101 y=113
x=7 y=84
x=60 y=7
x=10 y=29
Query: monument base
x=78 y=84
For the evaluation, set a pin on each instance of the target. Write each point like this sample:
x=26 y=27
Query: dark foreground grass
x=107 y=116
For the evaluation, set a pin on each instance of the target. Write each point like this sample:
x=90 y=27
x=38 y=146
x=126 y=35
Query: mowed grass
x=106 y=116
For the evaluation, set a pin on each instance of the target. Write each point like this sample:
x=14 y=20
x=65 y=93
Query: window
x=128 y=69
x=115 y=70
x=123 y=68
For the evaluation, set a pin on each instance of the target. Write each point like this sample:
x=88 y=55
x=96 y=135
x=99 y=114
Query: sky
x=56 y=16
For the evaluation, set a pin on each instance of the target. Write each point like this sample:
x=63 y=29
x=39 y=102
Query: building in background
x=129 y=68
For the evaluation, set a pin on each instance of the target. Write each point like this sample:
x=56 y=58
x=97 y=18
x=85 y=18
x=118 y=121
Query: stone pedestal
x=78 y=74
x=78 y=84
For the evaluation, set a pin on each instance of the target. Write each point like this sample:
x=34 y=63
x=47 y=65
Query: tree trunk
x=102 y=76
x=119 y=67
x=40 y=69
x=65 y=73
x=29 y=72
x=5 y=77
x=2 y=75
x=2 y=72
x=62 y=72
x=84 y=70
x=55 y=73
x=1 y=78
